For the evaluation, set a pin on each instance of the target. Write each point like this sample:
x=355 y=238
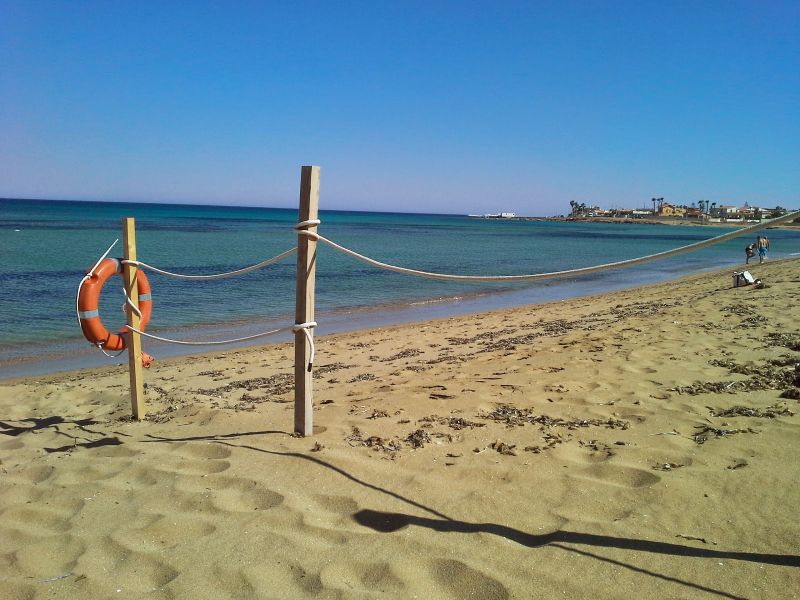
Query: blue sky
x=450 y=107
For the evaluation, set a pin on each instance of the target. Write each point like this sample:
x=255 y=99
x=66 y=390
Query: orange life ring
x=89 y=301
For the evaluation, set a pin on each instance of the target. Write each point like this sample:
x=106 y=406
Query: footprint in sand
x=162 y=532
x=341 y=505
x=462 y=581
x=359 y=579
x=34 y=474
x=42 y=558
x=42 y=520
x=209 y=451
x=615 y=475
x=243 y=495
x=134 y=572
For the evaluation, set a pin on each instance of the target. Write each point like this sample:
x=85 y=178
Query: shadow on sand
x=387 y=522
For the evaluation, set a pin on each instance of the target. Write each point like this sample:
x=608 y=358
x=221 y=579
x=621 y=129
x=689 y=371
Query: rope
x=308 y=223
x=254 y=267
x=103 y=350
x=85 y=279
x=209 y=343
x=568 y=273
x=304 y=327
x=130 y=303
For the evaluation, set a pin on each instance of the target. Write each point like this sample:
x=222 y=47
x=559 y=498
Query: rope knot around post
x=306 y=329
x=302 y=225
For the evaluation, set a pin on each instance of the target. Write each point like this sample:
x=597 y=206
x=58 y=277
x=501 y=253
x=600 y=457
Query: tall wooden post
x=304 y=312
x=134 y=340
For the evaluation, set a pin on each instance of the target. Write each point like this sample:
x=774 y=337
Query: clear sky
x=450 y=107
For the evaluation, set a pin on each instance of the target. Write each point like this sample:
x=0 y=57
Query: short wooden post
x=304 y=312
x=134 y=340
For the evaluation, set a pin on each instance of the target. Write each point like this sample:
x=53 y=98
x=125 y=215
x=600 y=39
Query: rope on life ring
x=89 y=303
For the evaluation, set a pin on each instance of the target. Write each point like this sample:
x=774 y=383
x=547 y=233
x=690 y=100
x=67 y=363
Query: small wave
x=436 y=301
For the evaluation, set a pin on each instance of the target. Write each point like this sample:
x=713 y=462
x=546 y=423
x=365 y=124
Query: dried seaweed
x=362 y=377
x=787 y=340
x=503 y=448
x=513 y=416
x=707 y=432
x=403 y=354
x=275 y=385
x=776 y=410
x=418 y=438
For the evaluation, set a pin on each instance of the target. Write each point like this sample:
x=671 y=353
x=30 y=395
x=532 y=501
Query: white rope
x=304 y=327
x=568 y=273
x=130 y=303
x=103 y=350
x=86 y=278
x=209 y=343
x=254 y=267
x=308 y=223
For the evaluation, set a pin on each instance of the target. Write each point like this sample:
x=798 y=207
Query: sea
x=47 y=246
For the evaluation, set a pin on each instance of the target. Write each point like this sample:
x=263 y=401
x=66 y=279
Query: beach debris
x=738 y=464
x=707 y=432
x=641 y=309
x=418 y=438
x=456 y=423
x=275 y=385
x=317 y=447
x=438 y=396
x=216 y=375
x=596 y=446
x=378 y=414
x=534 y=449
x=356 y=438
x=362 y=377
x=402 y=354
x=785 y=361
x=361 y=344
x=673 y=432
x=453 y=455
x=513 y=416
x=695 y=538
x=776 y=410
x=762 y=377
x=667 y=466
x=56 y=578
x=490 y=335
x=503 y=448
x=787 y=340
x=330 y=368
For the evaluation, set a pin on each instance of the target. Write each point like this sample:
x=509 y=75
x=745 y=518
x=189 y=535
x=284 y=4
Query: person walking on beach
x=762 y=243
x=749 y=252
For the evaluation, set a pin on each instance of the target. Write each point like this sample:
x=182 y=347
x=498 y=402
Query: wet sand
x=634 y=444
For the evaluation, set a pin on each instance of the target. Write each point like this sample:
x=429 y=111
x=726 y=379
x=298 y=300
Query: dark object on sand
x=741 y=278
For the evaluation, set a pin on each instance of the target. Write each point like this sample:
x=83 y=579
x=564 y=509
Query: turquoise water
x=46 y=246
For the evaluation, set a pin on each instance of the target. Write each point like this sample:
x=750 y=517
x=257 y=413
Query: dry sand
x=570 y=450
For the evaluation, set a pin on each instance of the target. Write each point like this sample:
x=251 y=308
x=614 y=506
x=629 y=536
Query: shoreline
x=79 y=355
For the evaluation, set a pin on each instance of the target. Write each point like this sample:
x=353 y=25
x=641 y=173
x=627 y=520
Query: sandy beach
x=638 y=444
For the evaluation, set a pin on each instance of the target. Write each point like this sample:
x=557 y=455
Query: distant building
x=693 y=213
x=670 y=210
